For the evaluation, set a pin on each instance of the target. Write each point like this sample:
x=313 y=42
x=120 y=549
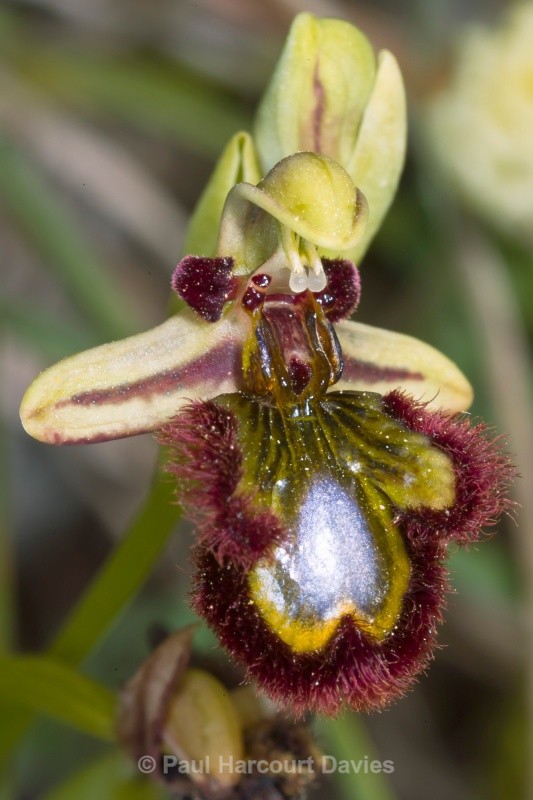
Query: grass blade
x=51 y=228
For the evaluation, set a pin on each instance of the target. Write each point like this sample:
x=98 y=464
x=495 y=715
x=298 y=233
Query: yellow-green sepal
x=376 y=162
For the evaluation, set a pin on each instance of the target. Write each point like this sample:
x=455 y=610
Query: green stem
x=110 y=592
x=121 y=576
x=349 y=741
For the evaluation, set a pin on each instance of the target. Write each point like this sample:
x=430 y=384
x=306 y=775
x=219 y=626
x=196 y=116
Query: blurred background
x=112 y=113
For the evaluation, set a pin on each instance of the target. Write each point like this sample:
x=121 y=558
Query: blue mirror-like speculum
x=335 y=564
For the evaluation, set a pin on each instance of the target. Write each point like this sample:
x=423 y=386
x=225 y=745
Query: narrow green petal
x=133 y=385
x=376 y=163
x=318 y=92
x=376 y=360
x=237 y=163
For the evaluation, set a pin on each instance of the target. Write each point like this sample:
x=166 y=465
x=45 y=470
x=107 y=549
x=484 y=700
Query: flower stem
x=349 y=741
x=110 y=592
x=120 y=577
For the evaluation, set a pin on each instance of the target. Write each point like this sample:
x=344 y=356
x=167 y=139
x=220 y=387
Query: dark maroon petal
x=253 y=299
x=206 y=460
x=483 y=472
x=205 y=284
x=341 y=296
x=352 y=669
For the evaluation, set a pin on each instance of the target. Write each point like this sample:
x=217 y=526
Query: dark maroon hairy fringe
x=205 y=284
x=206 y=459
x=482 y=472
x=341 y=296
x=351 y=669
x=234 y=533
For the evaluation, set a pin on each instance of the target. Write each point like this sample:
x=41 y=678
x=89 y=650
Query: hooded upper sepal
x=376 y=360
x=136 y=384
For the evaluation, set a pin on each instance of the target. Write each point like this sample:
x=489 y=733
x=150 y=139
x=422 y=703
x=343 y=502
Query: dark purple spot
x=205 y=284
x=262 y=281
x=300 y=374
x=252 y=299
x=341 y=296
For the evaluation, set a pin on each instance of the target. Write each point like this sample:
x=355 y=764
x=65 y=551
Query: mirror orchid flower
x=325 y=462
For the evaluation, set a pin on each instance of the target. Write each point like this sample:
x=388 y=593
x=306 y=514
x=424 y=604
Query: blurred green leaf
x=6 y=564
x=348 y=740
x=44 y=686
x=519 y=262
x=509 y=748
x=34 y=205
x=157 y=96
x=7 y=609
x=487 y=572
x=110 y=592
x=111 y=778
x=45 y=334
